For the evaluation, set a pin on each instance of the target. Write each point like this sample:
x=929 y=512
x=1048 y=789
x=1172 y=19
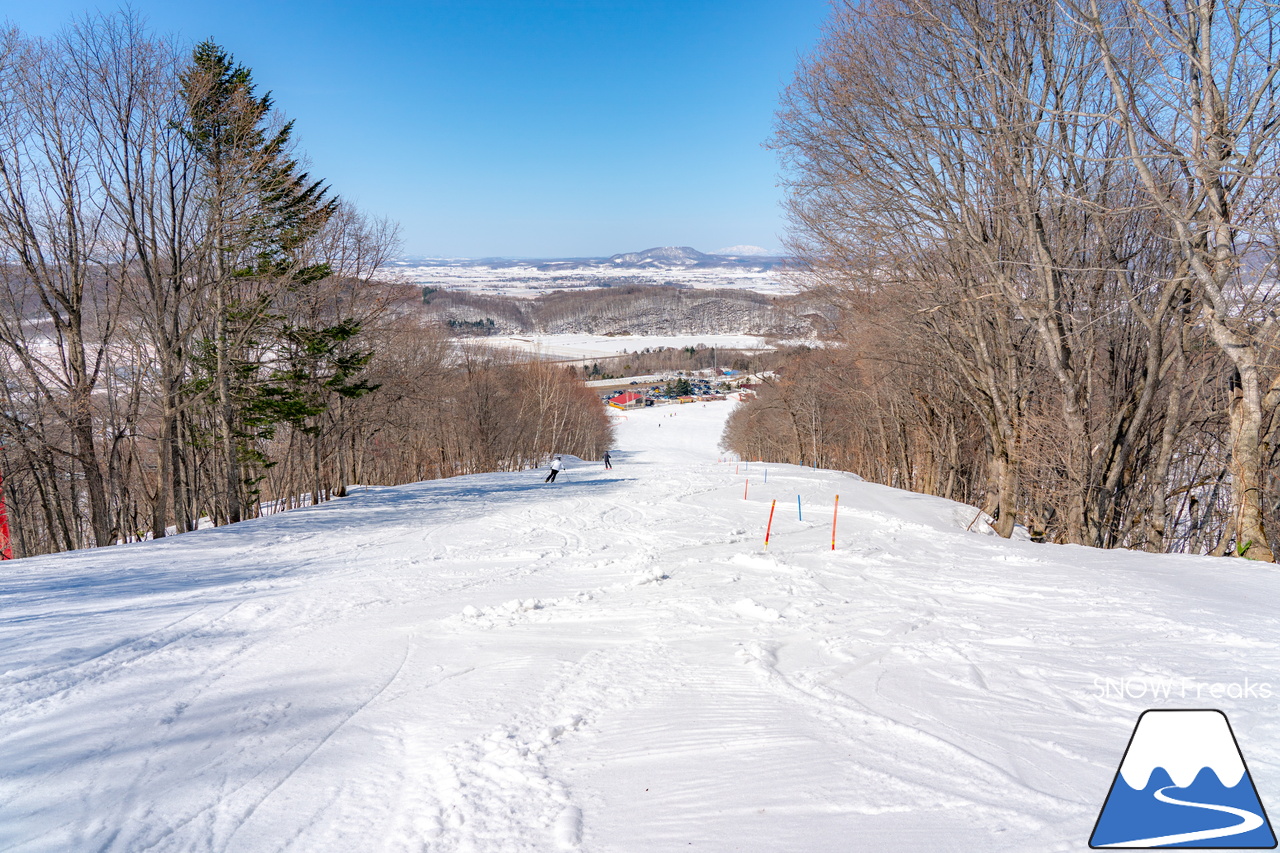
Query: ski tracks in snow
x=607 y=663
x=496 y=791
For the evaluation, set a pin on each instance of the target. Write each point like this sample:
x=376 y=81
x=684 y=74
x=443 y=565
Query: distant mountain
x=658 y=258
x=683 y=257
x=664 y=256
x=422 y=260
x=745 y=252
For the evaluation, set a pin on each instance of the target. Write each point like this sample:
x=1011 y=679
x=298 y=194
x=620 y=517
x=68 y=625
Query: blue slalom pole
x=799 y=511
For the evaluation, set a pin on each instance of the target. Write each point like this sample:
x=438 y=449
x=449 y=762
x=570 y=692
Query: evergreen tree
x=261 y=210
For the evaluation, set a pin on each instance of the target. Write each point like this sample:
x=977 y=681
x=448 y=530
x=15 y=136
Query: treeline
x=1051 y=228
x=630 y=309
x=672 y=359
x=441 y=411
x=189 y=323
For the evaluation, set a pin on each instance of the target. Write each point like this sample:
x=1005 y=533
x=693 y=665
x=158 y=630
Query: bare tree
x=1194 y=91
x=52 y=219
x=974 y=162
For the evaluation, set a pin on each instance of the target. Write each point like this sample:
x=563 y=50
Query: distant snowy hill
x=613 y=662
x=662 y=256
x=659 y=255
x=675 y=257
x=746 y=252
x=735 y=258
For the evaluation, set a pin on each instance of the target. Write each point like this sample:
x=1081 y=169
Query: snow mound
x=752 y=610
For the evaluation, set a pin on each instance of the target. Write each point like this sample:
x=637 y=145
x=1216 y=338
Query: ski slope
x=611 y=662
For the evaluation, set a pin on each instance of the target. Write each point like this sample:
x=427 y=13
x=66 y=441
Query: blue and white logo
x=1183 y=783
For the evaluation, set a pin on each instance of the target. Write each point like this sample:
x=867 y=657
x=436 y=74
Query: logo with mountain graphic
x=1183 y=783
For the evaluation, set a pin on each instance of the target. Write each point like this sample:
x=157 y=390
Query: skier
x=607 y=464
x=556 y=465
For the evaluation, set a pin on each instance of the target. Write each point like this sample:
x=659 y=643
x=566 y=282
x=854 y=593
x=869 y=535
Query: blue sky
x=535 y=128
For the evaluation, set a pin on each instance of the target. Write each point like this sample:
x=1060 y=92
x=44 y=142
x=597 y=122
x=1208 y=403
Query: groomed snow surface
x=608 y=663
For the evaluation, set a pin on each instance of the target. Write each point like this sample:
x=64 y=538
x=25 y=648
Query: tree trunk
x=226 y=411
x=1006 y=481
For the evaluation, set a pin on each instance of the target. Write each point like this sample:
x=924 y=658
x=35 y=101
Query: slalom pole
x=766 y=475
x=834 y=513
x=799 y=509
x=746 y=485
x=769 y=526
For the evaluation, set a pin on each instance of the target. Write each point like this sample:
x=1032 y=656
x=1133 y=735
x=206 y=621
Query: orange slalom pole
x=769 y=527
x=834 y=513
x=746 y=485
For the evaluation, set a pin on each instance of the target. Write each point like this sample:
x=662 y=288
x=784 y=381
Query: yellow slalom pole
x=834 y=514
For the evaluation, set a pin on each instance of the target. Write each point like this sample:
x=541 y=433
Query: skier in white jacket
x=556 y=465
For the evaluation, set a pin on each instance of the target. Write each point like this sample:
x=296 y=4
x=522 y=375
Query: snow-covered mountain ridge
x=612 y=662
x=746 y=251
x=668 y=257
x=529 y=277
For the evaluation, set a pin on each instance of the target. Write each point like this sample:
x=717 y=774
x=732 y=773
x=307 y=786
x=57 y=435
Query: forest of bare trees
x=190 y=327
x=1051 y=230
x=441 y=410
x=650 y=360
x=629 y=310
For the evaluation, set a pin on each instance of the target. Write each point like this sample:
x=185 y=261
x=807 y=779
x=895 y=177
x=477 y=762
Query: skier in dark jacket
x=607 y=464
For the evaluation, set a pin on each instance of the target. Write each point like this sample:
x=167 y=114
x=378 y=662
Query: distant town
x=678 y=387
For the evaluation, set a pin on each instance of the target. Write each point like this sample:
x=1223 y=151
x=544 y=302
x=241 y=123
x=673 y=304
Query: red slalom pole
x=834 y=513
x=746 y=485
x=769 y=526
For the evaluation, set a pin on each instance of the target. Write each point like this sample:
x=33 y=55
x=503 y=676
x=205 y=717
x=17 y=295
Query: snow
x=609 y=663
x=533 y=279
x=584 y=346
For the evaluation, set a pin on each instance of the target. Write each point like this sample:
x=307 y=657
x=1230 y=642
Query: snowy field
x=609 y=663
x=528 y=280
x=604 y=346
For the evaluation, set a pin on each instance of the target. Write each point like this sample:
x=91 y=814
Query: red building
x=629 y=400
